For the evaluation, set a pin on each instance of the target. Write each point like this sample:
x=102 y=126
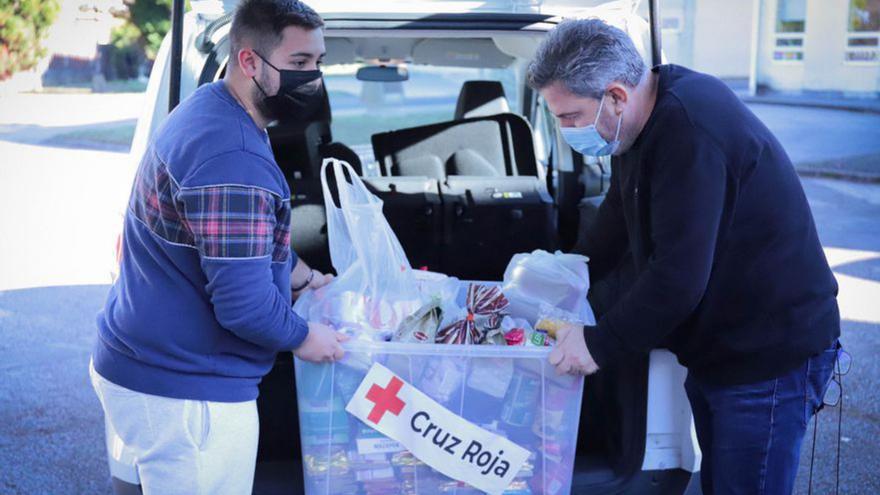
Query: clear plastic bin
x=512 y=391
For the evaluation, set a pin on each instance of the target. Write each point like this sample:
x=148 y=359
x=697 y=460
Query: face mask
x=299 y=96
x=587 y=140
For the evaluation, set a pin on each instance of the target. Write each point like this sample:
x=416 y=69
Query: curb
x=858 y=168
x=850 y=176
x=829 y=105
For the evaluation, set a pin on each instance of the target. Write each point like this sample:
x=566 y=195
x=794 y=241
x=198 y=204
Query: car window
x=363 y=108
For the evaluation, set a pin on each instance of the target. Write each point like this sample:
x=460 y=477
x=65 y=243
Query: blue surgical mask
x=587 y=140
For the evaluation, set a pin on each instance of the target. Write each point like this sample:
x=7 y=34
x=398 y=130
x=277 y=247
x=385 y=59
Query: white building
x=783 y=45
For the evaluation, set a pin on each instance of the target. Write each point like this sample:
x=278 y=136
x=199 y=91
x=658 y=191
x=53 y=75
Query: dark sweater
x=731 y=276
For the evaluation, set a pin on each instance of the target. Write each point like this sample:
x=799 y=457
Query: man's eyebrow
x=306 y=54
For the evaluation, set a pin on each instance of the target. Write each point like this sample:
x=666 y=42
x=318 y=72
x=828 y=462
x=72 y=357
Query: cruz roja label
x=435 y=435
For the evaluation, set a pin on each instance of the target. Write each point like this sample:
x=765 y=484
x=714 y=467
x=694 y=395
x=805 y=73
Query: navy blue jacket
x=731 y=275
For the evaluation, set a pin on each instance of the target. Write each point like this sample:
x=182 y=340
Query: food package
x=485 y=305
x=491 y=376
x=552 y=319
x=515 y=330
x=442 y=377
x=422 y=325
x=537 y=338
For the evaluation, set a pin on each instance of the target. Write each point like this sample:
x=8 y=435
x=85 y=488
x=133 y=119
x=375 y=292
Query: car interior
x=478 y=177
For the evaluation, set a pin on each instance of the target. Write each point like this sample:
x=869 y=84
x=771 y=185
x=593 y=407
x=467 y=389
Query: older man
x=730 y=274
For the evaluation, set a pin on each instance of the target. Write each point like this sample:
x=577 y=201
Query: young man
x=203 y=301
x=730 y=274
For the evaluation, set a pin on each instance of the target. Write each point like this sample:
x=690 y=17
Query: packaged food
x=538 y=338
x=494 y=336
x=519 y=402
x=516 y=336
x=552 y=319
x=422 y=325
x=405 y=458
x=370 y=442
x=337 y=464
x=491 y=376
x=323 y=420
x=441 y=377
x=484 y=307
x=515 y=330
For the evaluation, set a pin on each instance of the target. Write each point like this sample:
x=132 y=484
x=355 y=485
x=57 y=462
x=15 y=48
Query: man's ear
x=247 y=62
x=619 y=97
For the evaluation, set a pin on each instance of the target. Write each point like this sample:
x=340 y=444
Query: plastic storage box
x=510 y=390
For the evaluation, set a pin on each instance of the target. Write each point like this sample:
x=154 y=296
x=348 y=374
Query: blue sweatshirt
x=202 y=303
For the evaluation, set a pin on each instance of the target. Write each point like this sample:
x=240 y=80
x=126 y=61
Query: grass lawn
x=121 y=86
x=115 y=137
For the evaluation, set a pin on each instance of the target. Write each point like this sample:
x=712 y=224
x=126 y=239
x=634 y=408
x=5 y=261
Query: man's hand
x=322 y=344
x=317 y=281
x=320 y=280
x=571 y=356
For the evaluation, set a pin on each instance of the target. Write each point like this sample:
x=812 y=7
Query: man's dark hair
x=259 y=24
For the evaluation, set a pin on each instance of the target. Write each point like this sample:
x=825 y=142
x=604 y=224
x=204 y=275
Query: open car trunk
x=443 y=221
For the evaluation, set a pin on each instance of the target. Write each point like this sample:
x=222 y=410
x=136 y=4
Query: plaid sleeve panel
x=153 y=202
x=236 y=222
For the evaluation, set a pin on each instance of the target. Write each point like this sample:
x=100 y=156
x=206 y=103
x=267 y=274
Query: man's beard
x=267 y=112
x=301 y=104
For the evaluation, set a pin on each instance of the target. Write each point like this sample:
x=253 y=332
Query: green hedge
x=23 y=25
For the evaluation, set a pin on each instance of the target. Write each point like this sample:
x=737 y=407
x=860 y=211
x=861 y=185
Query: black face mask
x=299 y=96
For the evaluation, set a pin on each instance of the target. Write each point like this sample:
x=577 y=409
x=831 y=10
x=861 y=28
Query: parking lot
x=61 y=191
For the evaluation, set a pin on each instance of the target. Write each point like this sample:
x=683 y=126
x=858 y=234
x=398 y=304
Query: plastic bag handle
x=353 y=187
x=342 y=251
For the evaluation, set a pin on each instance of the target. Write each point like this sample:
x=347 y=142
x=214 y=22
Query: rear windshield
x=363 y=108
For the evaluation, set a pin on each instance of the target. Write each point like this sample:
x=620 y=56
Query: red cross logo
x=385 y=399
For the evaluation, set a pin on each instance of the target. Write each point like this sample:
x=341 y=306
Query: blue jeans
x=751 y=434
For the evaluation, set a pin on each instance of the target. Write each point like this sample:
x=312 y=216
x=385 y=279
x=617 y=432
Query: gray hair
x=586 y=56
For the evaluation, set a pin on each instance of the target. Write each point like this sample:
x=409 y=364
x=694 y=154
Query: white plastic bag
x=560 y=280
x=375 y=288
x=433 y=285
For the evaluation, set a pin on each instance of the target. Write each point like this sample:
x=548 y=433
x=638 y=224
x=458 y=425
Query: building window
x=791 y=16
x=863 y=39
x=791 y=19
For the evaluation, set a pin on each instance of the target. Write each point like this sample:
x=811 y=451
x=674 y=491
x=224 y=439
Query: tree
x=147 y=22
x=138 y=39
x=23 y=25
